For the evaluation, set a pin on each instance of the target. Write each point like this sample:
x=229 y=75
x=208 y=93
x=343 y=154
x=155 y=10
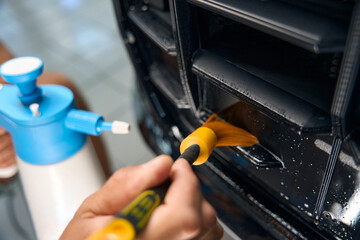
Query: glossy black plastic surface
x=154 y=26
x=288 y=71
x=161 y=77
x=300 y=115
x=303 y=28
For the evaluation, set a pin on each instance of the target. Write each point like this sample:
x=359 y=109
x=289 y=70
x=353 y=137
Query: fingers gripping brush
x=196 y=149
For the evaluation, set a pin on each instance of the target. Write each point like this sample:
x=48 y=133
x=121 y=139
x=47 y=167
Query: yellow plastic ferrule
x=118 y=229
x=205 y=138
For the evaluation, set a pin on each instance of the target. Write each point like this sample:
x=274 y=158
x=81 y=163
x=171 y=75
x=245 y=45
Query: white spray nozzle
x=119 y=127
x=34 y=108
x=94 y=124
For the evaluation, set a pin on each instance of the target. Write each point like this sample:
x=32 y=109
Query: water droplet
x=282 y=183
x=306 y=205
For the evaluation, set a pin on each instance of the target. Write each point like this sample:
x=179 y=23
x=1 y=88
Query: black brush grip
x=191 y=153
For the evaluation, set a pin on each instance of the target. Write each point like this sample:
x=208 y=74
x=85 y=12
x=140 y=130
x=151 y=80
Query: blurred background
x=81 y=40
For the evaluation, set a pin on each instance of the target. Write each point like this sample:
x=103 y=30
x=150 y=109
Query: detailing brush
x=216 y=133
x=196 y=149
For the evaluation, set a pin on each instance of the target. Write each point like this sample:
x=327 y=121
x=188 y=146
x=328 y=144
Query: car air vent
x=284 y=80
x=160 y=76
x=156 y=25
x=306 y=29
x=151 y=31
x=274 y=101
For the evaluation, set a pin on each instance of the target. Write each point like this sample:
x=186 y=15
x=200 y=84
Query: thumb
x=125 y=184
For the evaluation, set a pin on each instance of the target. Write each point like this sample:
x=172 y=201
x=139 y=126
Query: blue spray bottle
x=57 y=164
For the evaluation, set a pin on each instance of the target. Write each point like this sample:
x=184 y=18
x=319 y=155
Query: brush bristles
x=229 y=135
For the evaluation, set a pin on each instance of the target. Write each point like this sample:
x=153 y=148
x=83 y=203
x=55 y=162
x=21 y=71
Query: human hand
x=184 y=214
x=7 y=155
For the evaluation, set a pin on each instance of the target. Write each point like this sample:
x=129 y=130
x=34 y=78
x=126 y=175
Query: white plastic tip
x=1 y=86
x=34 y=108
x=119 y=127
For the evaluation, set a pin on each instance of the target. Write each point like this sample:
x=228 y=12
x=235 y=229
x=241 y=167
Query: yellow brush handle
x=133 y=217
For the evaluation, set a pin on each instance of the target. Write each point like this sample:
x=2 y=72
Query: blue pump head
x=23 y=73
x=43 y=120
